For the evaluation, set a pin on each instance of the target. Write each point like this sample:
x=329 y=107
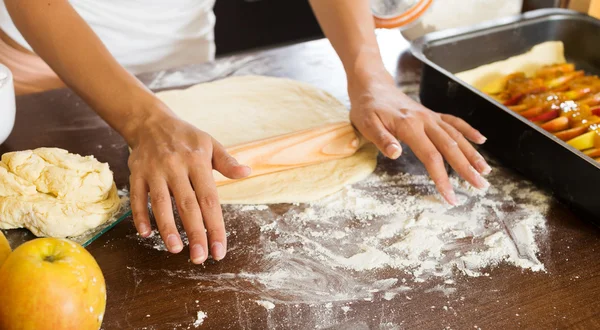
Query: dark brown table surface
x=145 y=291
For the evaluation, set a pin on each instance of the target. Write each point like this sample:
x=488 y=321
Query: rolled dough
x=485 y=77
x=54 y=193
x=242 y=109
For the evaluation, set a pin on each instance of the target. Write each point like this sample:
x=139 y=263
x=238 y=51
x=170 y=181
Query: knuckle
x=188 y=204
x=209 y=201
x=136 y=199
x=409 y=119
x=166 y=229
x=447 y=118
x=454 y=134
x=160 y=198
x=171 y=161
x=451 y=145
x=195 y=155
x=368 y=123
x=433 y=157
x=384 y=137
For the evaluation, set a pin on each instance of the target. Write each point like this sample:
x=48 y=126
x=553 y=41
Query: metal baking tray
x=516 y=142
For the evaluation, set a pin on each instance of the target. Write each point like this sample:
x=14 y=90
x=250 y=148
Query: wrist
x=366 y=72
x=146 y=113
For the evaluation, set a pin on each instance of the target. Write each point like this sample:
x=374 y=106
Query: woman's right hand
x=170 y=156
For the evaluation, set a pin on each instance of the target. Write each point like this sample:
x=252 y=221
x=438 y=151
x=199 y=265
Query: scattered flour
x=266 y=304
x=345 y=247
x=399 y=222
x=200 y=316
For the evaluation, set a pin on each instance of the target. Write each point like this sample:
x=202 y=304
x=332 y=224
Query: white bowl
x=7 y=103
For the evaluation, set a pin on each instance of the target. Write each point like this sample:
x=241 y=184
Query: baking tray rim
x=417 y=48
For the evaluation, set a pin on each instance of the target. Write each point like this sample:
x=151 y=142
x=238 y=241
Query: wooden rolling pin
x=297 y=149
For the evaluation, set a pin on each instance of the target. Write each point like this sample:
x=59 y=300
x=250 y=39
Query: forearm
x=350 y=28
x=65 y=41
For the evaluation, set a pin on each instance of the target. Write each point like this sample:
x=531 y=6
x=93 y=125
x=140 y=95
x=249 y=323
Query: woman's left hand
x=385 y=115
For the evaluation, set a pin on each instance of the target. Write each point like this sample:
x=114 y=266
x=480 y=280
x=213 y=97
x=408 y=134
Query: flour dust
x=383 y=237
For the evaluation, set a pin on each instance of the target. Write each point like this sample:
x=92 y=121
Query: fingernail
x=197 y=254
x=450 y=196
x=481 y=183
x=174 y=244
x=482 y=138
x=484 y=167
x=218 y=251
x=393 y=150
x=143 y=229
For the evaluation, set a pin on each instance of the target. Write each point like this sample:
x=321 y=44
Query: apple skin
x=571 y=133
x=4 y=248
x=556 y=125
x=546 y=116
x=51 y=283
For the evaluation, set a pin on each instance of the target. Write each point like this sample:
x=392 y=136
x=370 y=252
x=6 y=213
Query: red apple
x=571 y=133
x=50 y=283
x=548 y=115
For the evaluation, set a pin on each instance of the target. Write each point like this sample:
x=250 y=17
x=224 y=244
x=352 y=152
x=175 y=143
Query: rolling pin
x=296 y=149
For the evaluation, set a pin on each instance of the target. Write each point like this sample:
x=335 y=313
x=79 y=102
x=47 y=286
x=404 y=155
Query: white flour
x=383 y=238
x=418 y=233
x=200 y=316
x=266 y=304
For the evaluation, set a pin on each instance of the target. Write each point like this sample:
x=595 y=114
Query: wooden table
x=145 y=291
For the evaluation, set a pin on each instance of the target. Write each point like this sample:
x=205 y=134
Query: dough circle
x=54 y=193
x=247 y=108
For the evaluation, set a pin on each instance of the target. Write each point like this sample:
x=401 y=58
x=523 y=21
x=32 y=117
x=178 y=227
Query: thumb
x=373 y=129
x=223 y=162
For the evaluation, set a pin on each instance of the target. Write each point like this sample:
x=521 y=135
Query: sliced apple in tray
x=556 y=125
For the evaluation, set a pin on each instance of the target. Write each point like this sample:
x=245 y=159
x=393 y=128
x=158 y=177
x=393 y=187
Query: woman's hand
x=384 y=115
x=170 y=156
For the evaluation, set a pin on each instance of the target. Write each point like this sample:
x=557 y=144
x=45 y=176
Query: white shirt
x=144 y=35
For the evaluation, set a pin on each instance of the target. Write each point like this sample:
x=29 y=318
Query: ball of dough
x=54 y=193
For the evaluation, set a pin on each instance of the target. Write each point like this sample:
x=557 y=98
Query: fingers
x=474 y=157
x=206 y=194
x=163 y=213
x=429 y=155
x=139 y=205
x=191 y=217
x=465 y=129
x=373 y=129
x=451 y=151
x=227 y=165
